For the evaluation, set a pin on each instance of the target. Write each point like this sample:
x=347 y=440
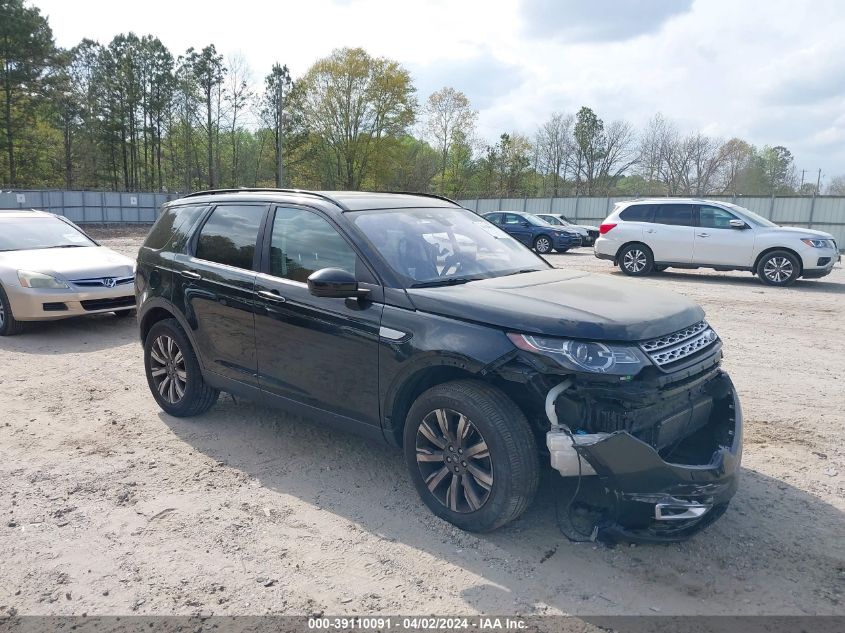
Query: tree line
x=130 y=115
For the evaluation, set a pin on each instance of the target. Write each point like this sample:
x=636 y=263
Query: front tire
x=9 y=325
x=778 y=268
x=471 y=455
x=543 y=244
x=173 y=371
x=636 y=260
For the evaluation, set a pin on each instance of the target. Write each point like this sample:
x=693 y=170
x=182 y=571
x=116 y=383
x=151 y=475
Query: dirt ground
x=108 y=506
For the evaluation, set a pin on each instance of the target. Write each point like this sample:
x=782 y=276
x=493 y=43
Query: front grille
x=109 y=304
x=102 y=282
x=667 y=350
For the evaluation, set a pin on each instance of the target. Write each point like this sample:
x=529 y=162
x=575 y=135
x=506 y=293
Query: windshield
x=757 y=219
x=20 y=234
x=441 y=246
x=550 y=219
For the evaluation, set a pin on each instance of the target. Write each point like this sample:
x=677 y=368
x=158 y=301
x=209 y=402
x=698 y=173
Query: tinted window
x=638 y=213
x=172 y=220
x=303 y=242
x=674 y=214
x=714 y=218
x=229 y=235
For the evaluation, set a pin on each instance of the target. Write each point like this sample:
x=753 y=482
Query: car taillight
x=605 y=228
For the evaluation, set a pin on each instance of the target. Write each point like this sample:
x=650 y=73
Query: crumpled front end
x=665 y=481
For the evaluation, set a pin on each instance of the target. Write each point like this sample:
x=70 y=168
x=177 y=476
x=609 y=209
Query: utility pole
x=803 y=171
x=818 y=181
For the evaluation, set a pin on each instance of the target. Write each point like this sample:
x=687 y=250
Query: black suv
x=410 y=319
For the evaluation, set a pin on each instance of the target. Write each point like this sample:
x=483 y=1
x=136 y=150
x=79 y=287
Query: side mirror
x=738 y=224
x=334 y=283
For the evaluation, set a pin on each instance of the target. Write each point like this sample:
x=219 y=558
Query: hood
x=799 y=232
x=70 y=263
x=589 y=227
x=563 y=303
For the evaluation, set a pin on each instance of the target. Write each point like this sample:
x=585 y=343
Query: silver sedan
x=50 y=269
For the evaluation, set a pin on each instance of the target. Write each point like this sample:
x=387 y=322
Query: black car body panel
x=558 y=302
x=359 y=363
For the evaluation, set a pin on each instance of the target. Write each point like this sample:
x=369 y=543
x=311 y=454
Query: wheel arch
x=631 y=243
x=772 y=249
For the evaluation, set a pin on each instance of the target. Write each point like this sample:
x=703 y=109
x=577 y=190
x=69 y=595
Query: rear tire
x=543 y=244
x=9 y=325
x=636 y=260
x=471 y=455
x=778 y=268
x=173 y=372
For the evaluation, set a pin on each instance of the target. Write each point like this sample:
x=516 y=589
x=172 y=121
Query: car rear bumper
x=37 y=304
x=650 y=499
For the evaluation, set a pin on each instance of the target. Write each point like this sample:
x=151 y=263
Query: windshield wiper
x=449 y=281
x=65 y=246
x=524 y=270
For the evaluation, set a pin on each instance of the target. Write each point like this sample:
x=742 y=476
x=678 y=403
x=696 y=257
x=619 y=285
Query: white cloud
x=769 y=71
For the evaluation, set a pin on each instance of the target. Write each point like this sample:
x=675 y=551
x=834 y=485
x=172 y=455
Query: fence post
x=103 y=207
x=772 y=208
x=812 y=210
x=525 y=204
x=577 y=198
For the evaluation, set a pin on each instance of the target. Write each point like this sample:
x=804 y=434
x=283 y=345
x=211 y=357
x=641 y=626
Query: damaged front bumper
x=665 y=495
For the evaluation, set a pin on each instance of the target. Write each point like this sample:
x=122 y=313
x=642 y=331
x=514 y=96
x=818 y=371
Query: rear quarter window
x=172 y=219
x=638 y=213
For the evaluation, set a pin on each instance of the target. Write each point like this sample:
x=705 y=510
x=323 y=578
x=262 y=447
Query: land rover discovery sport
x=416 y=322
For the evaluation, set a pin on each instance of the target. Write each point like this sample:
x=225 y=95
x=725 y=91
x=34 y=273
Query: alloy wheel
x=634 y=260
x=543 y=245
x=454 y=460
x=167 y=367
x=778 y=269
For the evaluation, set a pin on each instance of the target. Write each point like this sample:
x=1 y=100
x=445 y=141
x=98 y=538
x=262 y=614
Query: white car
x=50 y=269
x=643 y=236
x=588 y=233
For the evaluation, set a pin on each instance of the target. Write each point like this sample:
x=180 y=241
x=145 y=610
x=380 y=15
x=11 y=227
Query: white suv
x=642 y=236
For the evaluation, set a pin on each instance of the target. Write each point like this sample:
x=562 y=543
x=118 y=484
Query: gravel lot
x=109 y=506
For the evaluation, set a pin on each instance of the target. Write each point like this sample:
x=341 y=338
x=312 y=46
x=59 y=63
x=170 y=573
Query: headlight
x=30 y=279
x=591 y=356
x=817 y=243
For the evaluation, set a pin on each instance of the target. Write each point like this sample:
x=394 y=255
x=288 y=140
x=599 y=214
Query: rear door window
x=511 y=219
x=171 y=221
x=229 y=235
x=638 y=213
x=674 y=214
x=495 y=218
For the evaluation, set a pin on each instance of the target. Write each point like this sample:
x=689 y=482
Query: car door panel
x=719 y=244
x=671 y=236
x=303 y=339
x=217 y=297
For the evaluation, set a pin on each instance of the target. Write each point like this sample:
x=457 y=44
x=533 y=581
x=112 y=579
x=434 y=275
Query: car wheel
x=561 y=250
x=543 y=244
x=636 y=260
x=471 y=455
x=173 y=372
x=9 y=325
x=778 y=268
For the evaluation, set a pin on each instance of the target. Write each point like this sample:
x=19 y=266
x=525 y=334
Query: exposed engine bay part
x=649 y=490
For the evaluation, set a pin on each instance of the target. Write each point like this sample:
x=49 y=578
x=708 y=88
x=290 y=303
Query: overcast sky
x=769 y=71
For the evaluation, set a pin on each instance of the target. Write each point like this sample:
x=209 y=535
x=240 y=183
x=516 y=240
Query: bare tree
x=448 y=116
x=554 y=146
x=836 y=186
x=239 y=96
x=618 y=155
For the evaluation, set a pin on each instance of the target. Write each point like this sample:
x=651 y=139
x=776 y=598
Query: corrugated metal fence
x=89 y=206
x=823 y=213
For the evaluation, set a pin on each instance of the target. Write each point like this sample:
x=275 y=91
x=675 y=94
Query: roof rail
x=424 y=195
x=267 y=190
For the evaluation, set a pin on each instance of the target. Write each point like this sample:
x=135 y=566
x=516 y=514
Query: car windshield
x=757 y=219
x=551 y=220
x=431 y=247
x=20 y=234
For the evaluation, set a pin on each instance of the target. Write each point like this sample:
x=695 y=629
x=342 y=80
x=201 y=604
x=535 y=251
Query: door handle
x=703 y=234
x=190 y=274
x=271 y=296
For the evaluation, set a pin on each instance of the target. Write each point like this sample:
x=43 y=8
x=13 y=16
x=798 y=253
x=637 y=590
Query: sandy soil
x=109 y=506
